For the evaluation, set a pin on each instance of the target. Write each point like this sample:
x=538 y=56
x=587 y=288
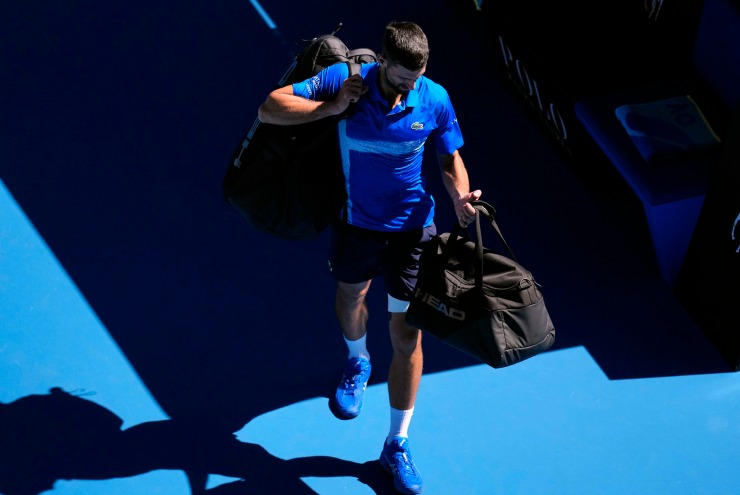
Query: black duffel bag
x=479 y=302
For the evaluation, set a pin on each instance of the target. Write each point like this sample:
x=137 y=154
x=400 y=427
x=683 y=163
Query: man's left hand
x=464 y=210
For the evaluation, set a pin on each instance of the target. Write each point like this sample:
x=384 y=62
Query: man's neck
x=391 y=96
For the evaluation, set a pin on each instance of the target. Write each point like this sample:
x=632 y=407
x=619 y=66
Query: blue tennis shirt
x=382 y=148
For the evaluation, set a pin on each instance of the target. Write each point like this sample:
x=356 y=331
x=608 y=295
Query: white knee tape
x=396 y=305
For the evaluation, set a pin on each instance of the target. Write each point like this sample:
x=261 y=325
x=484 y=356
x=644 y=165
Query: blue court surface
x=153 y=342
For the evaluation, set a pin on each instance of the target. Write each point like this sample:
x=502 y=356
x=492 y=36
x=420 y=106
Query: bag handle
x=488 y=211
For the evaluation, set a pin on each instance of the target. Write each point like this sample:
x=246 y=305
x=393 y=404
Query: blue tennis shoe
x=347 y=401
x=396 y=459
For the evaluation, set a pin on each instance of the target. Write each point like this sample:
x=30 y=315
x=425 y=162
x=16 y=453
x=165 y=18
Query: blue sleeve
x=447 y=136
x=324 y=85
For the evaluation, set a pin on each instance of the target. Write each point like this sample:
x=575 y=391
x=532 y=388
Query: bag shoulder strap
x=354 y=68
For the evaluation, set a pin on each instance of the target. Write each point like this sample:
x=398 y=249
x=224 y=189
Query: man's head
x=404 y=57
x=406 y=44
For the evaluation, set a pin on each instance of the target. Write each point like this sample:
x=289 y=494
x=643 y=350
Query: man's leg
x=403 y=383
x=407 y=363
x=351 y=309
x=352 y=314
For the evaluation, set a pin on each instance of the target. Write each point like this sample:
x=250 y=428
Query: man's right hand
x=352 y=90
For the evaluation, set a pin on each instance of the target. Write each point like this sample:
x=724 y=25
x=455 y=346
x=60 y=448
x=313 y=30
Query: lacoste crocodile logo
x=417 y=126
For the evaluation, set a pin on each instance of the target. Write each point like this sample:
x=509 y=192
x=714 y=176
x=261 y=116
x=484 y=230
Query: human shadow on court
x=63 y=436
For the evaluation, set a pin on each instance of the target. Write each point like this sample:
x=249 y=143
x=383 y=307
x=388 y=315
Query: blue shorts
x=358 y=255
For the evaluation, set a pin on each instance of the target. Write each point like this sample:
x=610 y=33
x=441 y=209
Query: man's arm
x=455 y=179
x=282 y=107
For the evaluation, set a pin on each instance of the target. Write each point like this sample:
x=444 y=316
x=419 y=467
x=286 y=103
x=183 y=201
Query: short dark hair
x=405 y=43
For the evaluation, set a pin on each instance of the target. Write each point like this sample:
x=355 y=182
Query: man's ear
x=382 y=59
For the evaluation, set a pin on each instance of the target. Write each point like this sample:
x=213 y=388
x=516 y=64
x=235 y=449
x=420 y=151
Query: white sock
x=358 y=348
x=400 y=421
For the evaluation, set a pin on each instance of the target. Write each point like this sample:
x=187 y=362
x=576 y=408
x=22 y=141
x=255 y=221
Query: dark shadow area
x=118 y=121
x=62 y=436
